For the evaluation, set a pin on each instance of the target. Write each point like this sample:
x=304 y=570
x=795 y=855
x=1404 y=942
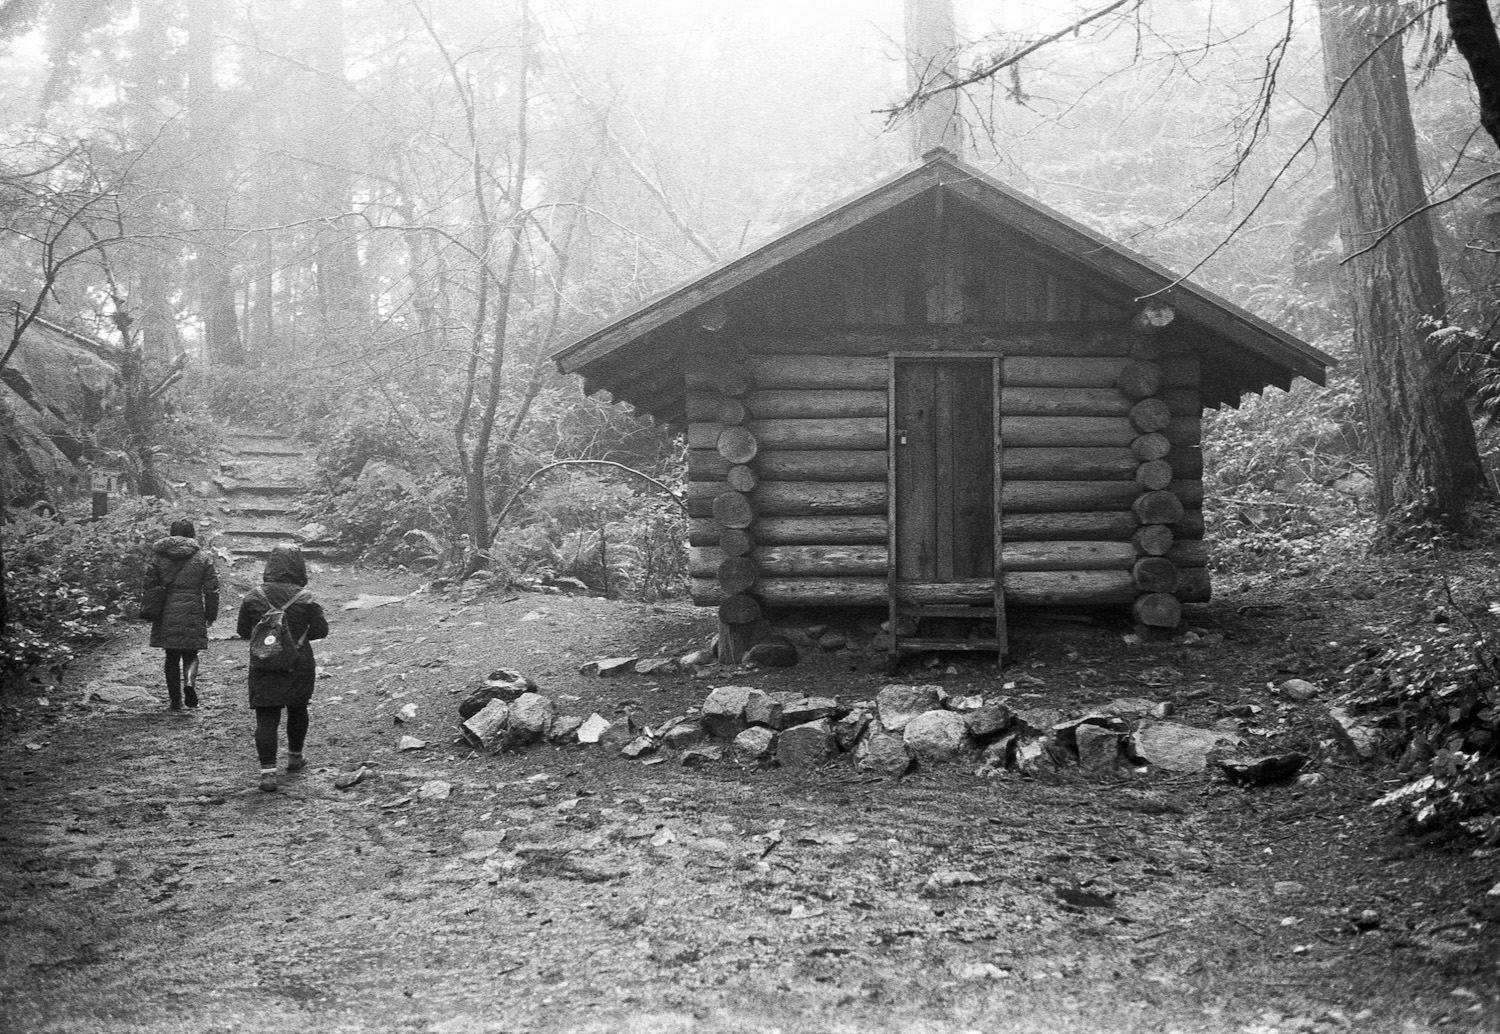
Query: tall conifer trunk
x=1426 y=462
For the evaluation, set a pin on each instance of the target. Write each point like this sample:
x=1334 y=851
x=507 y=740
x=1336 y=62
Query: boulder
x=850 y=728
x=1038 y=757
x=723 y=711
x=1298 y=691
x=620 y=733
x=500 y=684
x=604 y=667
x=799 y=710
x=807 y=745
x=639 y=747
x=1178 y=748
x=1036 y=721
x=702 y=755
x=776 y=651
x=988 y=720
x=485 y=730
x=593 y=729
x=697 y=659
x=564 y=728
x=1098 y=747
x=1272 y=768
x=831 y=641
x=756 y=743
x=1130 y=708
x=896 y=705
x=1355 y=734
x=683 y=734
x=762 y=709
x=882 y=752
x=656 y=666
x=531 y=717
x=934 y=737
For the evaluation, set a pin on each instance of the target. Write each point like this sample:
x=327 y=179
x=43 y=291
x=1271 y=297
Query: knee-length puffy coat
x=285 y=576
x=186 y=573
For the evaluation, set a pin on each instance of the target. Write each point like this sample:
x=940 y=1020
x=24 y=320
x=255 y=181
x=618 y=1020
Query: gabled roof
x=1265 y=353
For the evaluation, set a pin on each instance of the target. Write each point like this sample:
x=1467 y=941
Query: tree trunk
x=1425 y=459
x=931 y=50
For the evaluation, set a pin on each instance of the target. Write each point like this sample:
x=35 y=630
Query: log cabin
x=943 y=398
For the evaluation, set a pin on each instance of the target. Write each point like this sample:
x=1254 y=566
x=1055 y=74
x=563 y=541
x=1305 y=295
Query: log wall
x=1101 y=495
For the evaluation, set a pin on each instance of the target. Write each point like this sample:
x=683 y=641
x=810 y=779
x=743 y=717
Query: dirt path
x=146 y=885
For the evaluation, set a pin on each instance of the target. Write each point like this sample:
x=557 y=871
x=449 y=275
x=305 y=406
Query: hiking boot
x=190 y=696
x=295 y=763
x=268 y=782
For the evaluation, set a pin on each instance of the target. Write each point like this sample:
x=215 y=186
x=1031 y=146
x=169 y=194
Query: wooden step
x=944 y=610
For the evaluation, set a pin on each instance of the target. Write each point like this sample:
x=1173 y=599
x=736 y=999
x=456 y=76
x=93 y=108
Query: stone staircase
x=261 y=474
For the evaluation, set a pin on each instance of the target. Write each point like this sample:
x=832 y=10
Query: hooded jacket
x=186 y=572
x=285 y=576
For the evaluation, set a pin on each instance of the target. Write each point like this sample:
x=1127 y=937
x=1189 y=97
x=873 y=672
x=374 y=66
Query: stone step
x=287 y=451
x=232 y=486
x=253 y=432
x=252 y=508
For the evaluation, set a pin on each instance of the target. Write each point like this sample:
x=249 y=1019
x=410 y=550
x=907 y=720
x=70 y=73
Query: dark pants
x=179 y=668
x=268 y=722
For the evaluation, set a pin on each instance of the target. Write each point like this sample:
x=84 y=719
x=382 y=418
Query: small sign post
x=103 y=483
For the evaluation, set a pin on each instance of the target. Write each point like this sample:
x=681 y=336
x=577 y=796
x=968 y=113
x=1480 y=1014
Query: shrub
x=68 y=577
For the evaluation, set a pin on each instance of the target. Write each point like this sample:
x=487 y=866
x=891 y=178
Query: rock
x=697 y=659
x=639 y=747
x=684 y=734
x=775 y=652
x=313 y=532
x=1098 y=747
x=799 y=710
x=1177 y=748
x=702 y=755
x=620 y=733
x=1310 y=779
x=723 y=711
x=882 y=752
x=934 y=737
x=1066 y=732
x=756 y=743
x=569 y=586
x=1035 y=757
x=1001 y=753
x=530 y=717
x=807 y=745
x=486 y=730
x=604 y=667
x=501 y=684
x=656 y=666
x=564 y=728
x=348 y=780
x=849 y=729
x=1162 y=710
x=762 y=709
x=1272 y=768
x=968 y=703
x=407 y=713
x=831 y=641
x=482 y=839
x=897 y=705
x=434 y=790
x=110 y=693
x=1036 y=721
x=1298 y=691
x=410 y=743
x=1131 y=708
x=948 y=878
x=590 y=731
x=1288 y=888
x=988 y=720
x=1355 y=734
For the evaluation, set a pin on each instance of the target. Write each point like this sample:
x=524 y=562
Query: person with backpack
x=180 y=597
x=281 y=618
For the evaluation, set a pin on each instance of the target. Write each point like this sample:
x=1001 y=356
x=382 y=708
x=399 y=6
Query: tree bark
x=1473 y=31
x=1425 y=459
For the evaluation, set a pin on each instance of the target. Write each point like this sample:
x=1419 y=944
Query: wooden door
x=944 y=441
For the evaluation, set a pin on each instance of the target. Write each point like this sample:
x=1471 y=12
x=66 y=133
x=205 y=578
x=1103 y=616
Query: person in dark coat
x=284 y=582
x=182 y=574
